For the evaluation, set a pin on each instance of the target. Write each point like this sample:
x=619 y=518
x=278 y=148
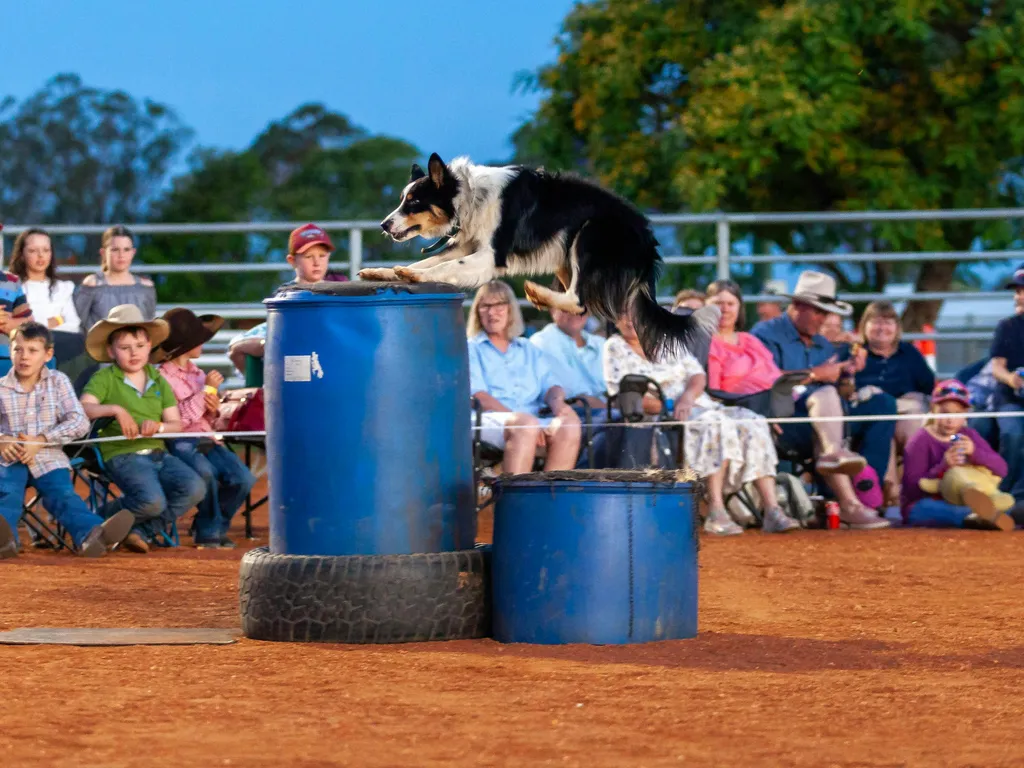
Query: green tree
x=313 y=164
x=799 y=105
x=72 y=154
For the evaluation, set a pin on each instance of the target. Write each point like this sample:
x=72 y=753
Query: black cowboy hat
x=187 y=331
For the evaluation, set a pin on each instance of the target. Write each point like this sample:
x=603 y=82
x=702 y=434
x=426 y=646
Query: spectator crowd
x=94 y=358
x=136 y=381
x=912 y=454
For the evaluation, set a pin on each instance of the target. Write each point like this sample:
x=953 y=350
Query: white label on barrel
x=297 y=368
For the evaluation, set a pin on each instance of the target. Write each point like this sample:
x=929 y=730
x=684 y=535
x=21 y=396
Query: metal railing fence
x=723 y=257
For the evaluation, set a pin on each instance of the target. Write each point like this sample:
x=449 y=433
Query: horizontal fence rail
x=722 y=258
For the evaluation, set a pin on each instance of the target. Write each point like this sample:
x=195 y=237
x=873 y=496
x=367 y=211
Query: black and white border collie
x=507 y=221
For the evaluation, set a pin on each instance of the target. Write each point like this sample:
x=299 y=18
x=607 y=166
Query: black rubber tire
x=366 y=598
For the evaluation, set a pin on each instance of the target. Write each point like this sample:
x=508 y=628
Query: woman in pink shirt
x=228 y=480
x=738 y=362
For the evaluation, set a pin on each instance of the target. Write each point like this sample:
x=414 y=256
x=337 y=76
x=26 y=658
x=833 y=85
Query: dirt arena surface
x=816 y=649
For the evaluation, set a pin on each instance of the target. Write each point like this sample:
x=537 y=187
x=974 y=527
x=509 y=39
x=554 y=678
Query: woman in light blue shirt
x=513 y=381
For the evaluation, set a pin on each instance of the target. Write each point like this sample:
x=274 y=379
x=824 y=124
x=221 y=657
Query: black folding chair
x=87 y=466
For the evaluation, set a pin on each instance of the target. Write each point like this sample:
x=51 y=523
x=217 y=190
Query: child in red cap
x=309 y=253
x=951 y=475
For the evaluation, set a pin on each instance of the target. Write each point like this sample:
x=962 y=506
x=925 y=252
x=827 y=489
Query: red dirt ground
x=816 y=649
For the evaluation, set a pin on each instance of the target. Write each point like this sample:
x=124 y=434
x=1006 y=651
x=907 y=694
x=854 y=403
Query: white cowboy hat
x=819 y=290
x=122 y=316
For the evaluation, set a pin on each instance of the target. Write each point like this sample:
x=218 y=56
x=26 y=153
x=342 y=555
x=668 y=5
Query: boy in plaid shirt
x=38 y=413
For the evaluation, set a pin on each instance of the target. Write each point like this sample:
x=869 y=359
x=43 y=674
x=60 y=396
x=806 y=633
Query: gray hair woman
x=514 y=380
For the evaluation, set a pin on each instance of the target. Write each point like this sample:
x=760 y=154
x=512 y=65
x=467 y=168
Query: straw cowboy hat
x=819 y=290
x=121 y=316
x=187 y=331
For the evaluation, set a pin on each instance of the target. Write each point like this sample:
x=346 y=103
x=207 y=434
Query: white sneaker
x=720 y=524
x=776 y=521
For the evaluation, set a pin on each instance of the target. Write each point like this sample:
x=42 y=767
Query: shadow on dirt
x=736 y=652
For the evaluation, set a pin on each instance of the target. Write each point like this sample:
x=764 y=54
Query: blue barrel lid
x=365 y=292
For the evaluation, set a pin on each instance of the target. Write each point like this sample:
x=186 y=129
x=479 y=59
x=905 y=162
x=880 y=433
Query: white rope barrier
x=700 y=423
x=688 y=423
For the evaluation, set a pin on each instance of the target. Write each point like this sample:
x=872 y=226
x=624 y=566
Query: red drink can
x=832 y=515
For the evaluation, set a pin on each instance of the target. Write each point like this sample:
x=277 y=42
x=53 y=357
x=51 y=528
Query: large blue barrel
x=588 y=561
x=368 y=420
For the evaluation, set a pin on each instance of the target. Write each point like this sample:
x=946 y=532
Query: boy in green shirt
x=154 y=483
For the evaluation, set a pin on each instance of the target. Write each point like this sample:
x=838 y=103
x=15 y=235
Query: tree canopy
x=805 y=105
x=313 y=164
x=73 y=154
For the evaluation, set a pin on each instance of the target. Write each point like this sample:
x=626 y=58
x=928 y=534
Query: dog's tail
x=665 y=334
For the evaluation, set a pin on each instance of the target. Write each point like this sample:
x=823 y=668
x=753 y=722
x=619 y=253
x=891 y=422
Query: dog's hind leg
x=545 y=298
x=468 y=272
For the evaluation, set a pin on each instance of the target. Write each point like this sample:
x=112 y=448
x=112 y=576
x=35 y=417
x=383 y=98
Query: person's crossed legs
x=825 y=439
x=521 y=434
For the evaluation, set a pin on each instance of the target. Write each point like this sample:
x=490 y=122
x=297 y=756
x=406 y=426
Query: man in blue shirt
x=578 y=353
x=1007 y=357
x=796 y=344
x=514 y=380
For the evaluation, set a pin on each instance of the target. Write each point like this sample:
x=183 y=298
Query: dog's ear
x=416 y=173
x=437 y=169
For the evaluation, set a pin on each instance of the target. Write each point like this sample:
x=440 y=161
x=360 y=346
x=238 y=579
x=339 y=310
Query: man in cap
x=309 y=253
x=795 y=341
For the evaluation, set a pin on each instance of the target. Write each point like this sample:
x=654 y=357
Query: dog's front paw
x=377 y=274
x=409 y=275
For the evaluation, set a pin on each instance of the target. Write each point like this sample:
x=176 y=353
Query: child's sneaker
x=110 y=533
x=134 y=542
x=983 y=507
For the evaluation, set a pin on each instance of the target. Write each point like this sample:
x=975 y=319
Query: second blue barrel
x=605 y=562
x=368 y=420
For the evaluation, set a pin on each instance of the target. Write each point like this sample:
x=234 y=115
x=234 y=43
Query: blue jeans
x=1011 y=446
x=57 y=494
x=936 y=513
x=871 y=439
x=153 y=485
x=227 y=480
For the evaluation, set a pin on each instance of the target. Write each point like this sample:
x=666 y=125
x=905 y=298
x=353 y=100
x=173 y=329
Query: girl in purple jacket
x=950 y=474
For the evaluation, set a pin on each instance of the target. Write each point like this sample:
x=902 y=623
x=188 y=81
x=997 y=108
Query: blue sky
x=438 y=74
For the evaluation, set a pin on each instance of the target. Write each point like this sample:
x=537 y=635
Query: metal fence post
x=722 y=230
x=355 y=252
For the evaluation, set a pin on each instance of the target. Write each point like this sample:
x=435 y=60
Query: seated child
x=228 y=481
x=38 y=413
x=950 y=474
x=309 y=253
x=157 y=487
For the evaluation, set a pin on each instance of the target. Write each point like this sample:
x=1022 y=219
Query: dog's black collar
x=443 y=242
